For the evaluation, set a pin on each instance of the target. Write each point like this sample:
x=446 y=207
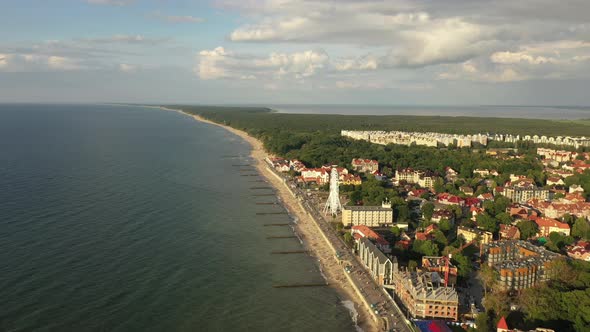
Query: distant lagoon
x=527 y=112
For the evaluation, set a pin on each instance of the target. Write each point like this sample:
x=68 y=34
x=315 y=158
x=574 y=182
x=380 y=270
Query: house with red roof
x=555 y=181
x=547 y=225
x=365 y=165
x=509 y=232
x=486 y=197
x=449 y=199
x=579 y=250
x=361 y=231
x=417 y=192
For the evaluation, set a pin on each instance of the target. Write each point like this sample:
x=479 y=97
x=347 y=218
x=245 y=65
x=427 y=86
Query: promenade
x=385 y=311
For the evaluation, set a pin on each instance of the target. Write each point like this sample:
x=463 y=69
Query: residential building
x=365 y=165
x=509 y=232
x=362 y=231
x=441 y=214
x=371 y=216
x=519 y=264
x=380 y=266
x=350 y=179
x=579 y=250
x=521 y=194
x=439 y=264
x=424 y=295
x=555 y=181
x=470 y=234
x=576 y=189
x=547 y=225
x=422 y=178
x=449 y=199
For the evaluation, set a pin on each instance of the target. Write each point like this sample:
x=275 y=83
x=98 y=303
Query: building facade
x=519 y=264
x=424 y=295
x=470 y=234
x=380 y=266
x=521 y=194
x=371 y=216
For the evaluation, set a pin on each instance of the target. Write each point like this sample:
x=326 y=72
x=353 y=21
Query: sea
x=120 y=218
x=496 y=111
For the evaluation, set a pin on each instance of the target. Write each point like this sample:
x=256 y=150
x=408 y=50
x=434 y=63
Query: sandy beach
x=313 y=241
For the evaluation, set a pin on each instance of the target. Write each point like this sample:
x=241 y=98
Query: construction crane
x=448 y=257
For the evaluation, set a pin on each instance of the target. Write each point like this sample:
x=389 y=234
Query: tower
x=333 y=204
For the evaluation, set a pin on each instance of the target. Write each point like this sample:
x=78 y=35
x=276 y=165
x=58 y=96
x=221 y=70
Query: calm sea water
x=133 y=219
x=527 y=112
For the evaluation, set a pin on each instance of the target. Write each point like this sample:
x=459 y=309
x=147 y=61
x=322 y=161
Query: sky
x=386 y=52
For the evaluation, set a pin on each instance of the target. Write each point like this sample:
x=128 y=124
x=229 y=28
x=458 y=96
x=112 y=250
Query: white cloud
x=110 y=2
x=3 y=60
x=127 y=68
x=38 y=62
x=176 y=18
x=219 y=63
x=506 y=58
x=62 y=63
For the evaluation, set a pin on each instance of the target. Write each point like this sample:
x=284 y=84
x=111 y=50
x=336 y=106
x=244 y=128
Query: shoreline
x=313 y=240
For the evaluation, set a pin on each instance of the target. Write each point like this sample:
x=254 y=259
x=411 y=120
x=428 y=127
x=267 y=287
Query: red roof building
x=546 y=226
x=361 y=231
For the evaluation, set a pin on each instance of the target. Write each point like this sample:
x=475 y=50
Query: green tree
x=396 y=231
x=463 y=264
x=581 y=228
x=527 y=229
x=439 y=185
x=445 y=225
x=488 y=277
x=426 y=248
x=428 y=210
x=486 y=222
x=348 y=239
x=501 y=203
x=504 y=218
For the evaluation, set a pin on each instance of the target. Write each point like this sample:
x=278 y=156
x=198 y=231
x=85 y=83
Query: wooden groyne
x=259 y=195
x=249 y=174
x=242 y=165
x=301 y=285
x=259 y=188
x=289 y=252
x=282 y=237
x=267 y=203
x=270 y=213
x=286 y=224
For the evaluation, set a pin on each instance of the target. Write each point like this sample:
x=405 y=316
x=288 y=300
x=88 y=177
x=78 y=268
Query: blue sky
x=530 y=52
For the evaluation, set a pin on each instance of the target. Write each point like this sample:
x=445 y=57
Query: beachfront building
x=371 y=216
x=424 y=295
x=380 y=266
x=519 y=264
